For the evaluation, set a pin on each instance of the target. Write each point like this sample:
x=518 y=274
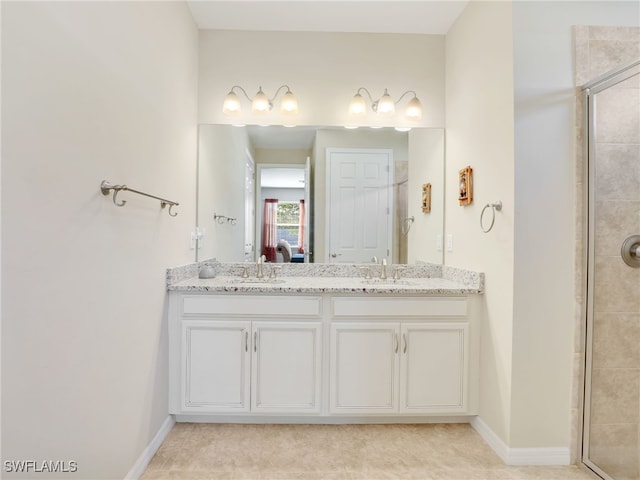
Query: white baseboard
x=521 y=456
x=147 y=454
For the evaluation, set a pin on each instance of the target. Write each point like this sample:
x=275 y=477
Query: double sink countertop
x=421 y=278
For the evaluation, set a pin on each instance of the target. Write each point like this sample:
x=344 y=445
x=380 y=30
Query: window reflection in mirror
x=230 y=161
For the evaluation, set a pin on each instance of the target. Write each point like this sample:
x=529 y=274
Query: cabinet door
x=216 y=366
x=434 y=368
x=364 y=368
x=286 y=367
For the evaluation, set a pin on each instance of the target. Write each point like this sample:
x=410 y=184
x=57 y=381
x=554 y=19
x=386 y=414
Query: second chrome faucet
x=259 y=266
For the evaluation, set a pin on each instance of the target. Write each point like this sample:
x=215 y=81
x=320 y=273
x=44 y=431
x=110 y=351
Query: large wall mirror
x=320 y=194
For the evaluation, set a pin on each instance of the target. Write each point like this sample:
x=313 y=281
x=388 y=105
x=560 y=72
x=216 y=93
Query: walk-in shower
x=611 y=422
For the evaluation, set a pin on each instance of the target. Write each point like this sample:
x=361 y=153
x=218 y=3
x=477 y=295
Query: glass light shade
x=386 y=106
x=414 y=109
x=260 y=103
x=289 y=104
x=358 y=106
x=231 y=105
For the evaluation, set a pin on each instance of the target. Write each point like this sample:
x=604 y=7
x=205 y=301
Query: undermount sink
x=257 y=281
x=387 y=281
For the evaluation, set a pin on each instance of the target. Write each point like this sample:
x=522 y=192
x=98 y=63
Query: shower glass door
x=611 y=432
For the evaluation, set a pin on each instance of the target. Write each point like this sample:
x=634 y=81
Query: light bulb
x=260 y=103
x=357 y=107
x=289 y=104
x=231 y=105
x=414 y=109
x=386 y=106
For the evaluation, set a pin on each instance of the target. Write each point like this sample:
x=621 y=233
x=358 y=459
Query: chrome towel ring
x=406 y=224
x=494 y=206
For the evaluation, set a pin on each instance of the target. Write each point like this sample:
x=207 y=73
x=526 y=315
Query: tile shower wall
x=614 y=433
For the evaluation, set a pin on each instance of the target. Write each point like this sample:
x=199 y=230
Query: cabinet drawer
x=399 y=307
x=262 y=305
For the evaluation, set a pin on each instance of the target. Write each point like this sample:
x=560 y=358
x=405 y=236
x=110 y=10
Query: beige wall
x=527 y=353
x=324 y=70
x=545 y=233
x=479 y=72
x=510 y=115
x=91 y=91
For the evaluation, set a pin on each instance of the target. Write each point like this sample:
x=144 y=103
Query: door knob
x=630 y=251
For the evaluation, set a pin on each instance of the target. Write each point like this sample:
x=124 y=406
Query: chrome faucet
x=383 y=269
x=396 y=272
x=259 y=264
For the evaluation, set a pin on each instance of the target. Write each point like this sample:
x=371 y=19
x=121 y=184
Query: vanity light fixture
x=385 y=106
x=260 y=103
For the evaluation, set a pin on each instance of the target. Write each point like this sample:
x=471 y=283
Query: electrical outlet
x=449 y=242
x=439 y=242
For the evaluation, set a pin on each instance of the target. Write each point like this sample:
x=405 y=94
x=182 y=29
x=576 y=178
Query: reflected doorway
x=283 y=210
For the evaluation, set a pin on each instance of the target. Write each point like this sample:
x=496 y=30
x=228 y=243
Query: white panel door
x=364 y=368
x=434 y=368
x=286 y=367
x=359 y=202
x=216 y=364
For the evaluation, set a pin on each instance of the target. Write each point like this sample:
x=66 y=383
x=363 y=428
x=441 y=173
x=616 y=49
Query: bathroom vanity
x=323 y=346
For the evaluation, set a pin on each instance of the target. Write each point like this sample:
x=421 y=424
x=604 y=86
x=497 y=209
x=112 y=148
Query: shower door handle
x=630 y=251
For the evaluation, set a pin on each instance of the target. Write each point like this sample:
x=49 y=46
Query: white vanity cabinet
x=215 y=367
x=286 y=367
x=245 y=354
x=399 y=355
x=365 y=374
x=325 y=358
x=434 y=367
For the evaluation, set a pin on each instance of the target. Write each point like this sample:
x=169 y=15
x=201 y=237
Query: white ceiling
x=278 y=136
x=360 y=16
x=282 y=177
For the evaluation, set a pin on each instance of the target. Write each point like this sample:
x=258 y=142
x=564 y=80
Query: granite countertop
x=318 y=279
x=322 y=285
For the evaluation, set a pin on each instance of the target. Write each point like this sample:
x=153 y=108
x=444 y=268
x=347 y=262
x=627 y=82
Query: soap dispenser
x=207 y=271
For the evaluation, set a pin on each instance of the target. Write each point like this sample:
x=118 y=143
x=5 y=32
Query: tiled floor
x=363 y=452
